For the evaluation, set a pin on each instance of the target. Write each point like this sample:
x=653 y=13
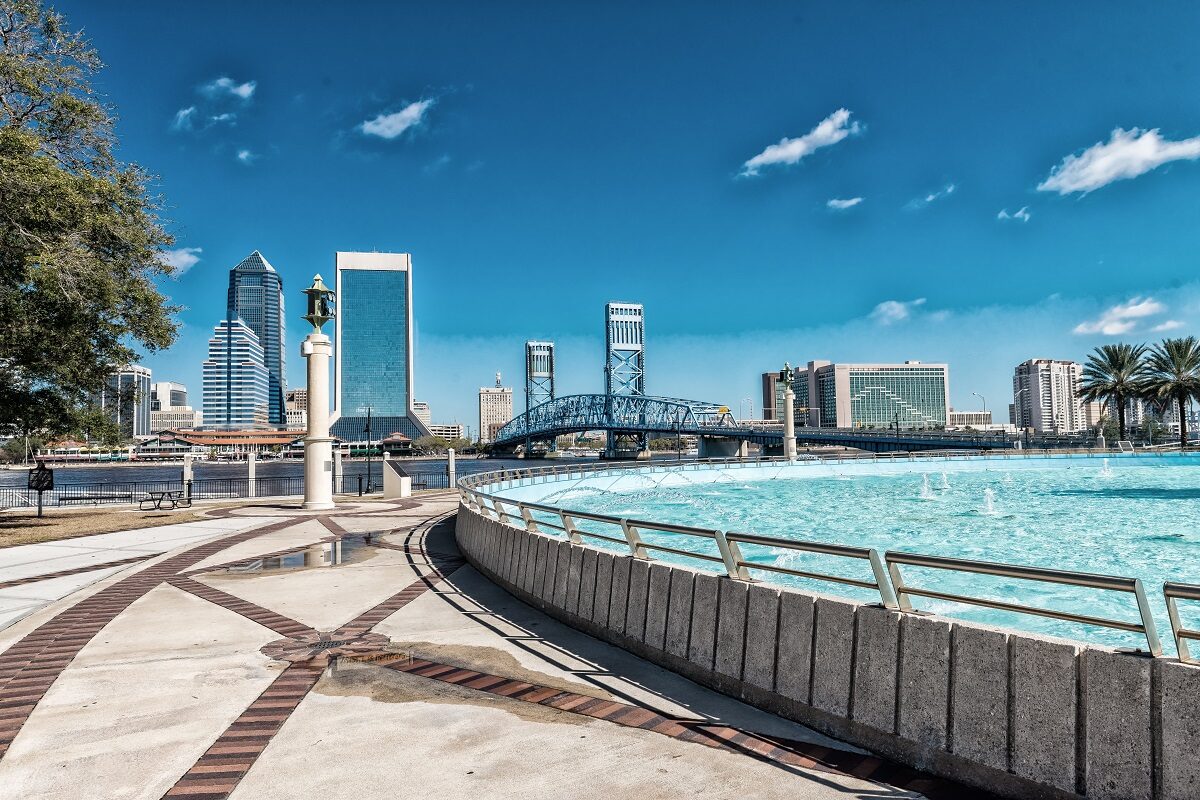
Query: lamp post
x=370 y=447
x=982 y=399
x=1020 y=414
x=317 y=349
x=789 y=413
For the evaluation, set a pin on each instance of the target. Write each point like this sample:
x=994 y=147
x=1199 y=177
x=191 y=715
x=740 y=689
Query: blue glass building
x=235 y=379
x=256 y=298
x=373 y=347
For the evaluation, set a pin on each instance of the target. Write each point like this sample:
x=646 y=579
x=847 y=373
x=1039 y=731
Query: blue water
x=1125 y=516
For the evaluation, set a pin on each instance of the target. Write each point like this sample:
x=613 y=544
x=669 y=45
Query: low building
x=235 y=442
x=980 y=420
x=176 y=419
x=297 y=419
x=449 y=432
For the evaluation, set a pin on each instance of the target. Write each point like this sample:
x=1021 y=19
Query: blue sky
x=854 y=181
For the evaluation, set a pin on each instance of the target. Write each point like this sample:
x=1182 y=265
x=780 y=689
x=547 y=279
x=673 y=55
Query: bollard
x=251 y=464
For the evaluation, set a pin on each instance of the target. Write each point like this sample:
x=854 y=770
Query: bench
x=95 y=499
x=175 y=498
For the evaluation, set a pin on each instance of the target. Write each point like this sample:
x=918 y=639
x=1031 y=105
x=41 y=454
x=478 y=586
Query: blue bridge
x=638 y=416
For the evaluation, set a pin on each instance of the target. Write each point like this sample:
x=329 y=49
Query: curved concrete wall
x=1017 y=714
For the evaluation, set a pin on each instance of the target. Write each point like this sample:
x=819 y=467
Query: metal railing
x=1173 y=592
x=1061 y=577
x=887 y=579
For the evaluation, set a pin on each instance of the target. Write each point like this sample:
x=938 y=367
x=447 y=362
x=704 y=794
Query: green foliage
x=459 y=444
x=1114 y=373
x=80 y=237
x=431 y=444
x=14 y=450
x=1173 y=377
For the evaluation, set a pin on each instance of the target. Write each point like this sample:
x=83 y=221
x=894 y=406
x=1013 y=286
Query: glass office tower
x=235 y=379
x=256 y=298
x=373 y=347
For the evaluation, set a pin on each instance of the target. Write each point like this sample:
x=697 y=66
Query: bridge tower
x=625 y=368
x=539 y=373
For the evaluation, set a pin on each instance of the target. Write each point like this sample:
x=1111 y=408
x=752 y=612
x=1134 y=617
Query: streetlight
x=1020 y=414
x=982 y=399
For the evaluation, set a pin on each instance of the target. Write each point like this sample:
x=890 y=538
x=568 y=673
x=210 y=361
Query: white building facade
x=495 y=409
x=1046 y=396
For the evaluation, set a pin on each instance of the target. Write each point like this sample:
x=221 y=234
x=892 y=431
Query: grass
x=24 y=527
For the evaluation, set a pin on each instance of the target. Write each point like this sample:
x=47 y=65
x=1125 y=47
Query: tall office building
x=373 y=347
x=125 y=398
x=495 y=409
x=773 y=400
x=236 y=381
x=421 y=409
x=539 y=373
x=911 y=395
x=256 y=298
x=1046 y=396
x=166 y=395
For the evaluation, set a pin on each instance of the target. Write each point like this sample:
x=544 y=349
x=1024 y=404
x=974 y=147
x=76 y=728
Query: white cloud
x=182 y=259
x=183 y=119
x=1022 y=214
x=1168 y=325
x=841 y=205
x=829 y=131
x=921 y=202
x=217 y=119
x=389 y=126
x=890 y=311
x=1127 y=154
x=246 y=156
x=1121 y=318
x=228 y=87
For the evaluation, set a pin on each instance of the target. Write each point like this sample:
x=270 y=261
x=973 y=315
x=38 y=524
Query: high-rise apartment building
x=911 y=395
x=495 y=409
x=373 y=347
x=125 y=398
x=256 y=297
x=236 y=381
x=1046 y=396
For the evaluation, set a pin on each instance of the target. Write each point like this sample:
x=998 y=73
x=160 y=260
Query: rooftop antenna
x=497 y=380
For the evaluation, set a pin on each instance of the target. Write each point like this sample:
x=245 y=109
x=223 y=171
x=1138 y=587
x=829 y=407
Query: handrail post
x=902 y=602
x=530 y=522
x=1152 y=640
x=569 y=528
x=731 y=556
x=1181 y=647
x=886 y=593
x=501 y=514
x=635 y=541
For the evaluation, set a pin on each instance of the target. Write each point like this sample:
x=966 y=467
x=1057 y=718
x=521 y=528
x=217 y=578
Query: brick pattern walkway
x=63 y=573
x=30 y=666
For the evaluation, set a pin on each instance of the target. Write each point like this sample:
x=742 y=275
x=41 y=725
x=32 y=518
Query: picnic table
x=158 y=500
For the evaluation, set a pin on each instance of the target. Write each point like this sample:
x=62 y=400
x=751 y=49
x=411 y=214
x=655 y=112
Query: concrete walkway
x=278 y=654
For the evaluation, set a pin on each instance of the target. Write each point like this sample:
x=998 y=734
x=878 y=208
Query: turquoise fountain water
x=1129 y=516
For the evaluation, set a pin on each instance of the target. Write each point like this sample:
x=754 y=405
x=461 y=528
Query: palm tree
x=1113 y=373
x=1173 y=374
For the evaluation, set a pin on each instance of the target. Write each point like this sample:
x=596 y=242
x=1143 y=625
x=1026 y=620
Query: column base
x=318 y=505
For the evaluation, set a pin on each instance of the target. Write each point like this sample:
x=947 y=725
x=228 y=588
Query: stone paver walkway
x=352 y=654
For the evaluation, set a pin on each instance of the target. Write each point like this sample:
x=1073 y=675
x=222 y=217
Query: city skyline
x=873 y=212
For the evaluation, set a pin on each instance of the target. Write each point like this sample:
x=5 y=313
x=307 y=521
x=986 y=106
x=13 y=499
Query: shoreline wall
x=1013 y=713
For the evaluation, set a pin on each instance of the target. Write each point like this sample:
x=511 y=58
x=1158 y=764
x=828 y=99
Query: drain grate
x=326 y=645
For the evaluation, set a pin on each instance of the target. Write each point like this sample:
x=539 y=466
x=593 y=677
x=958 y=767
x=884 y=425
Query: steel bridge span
x=636 y=415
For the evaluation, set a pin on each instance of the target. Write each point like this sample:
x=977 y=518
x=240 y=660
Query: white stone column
x=251 y=463
x=187 y=474
x=318 y=444
x=789 y=421
x=338 y=472
x=450 y=466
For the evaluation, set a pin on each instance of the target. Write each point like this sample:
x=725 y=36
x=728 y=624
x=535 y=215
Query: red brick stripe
x=285 y=626
x=771 y=749
x=62 y=573
x=217 y=773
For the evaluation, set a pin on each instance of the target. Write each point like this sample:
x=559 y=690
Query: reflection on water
x=350 y=550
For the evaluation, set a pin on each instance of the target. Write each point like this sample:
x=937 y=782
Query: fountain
x=1105 y=470
x=989 y=502
x=926 y=491
x=945 y=482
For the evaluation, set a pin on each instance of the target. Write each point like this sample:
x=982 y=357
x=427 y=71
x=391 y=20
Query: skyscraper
x=1046 y=396
x=236 y=380
x=126 y=400
x=373 y=347
x=256 y=297
x=495 y=409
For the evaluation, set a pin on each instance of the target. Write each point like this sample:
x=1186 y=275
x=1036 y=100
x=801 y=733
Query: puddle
x=349 y=550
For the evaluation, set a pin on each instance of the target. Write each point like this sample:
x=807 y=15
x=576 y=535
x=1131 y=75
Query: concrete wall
x=1021 y=715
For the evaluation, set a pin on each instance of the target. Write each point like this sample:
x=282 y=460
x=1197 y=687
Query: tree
x=1173 y=376
x=430 y=444
x=80 y=237
x=1113 y=374
x=460 y=444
